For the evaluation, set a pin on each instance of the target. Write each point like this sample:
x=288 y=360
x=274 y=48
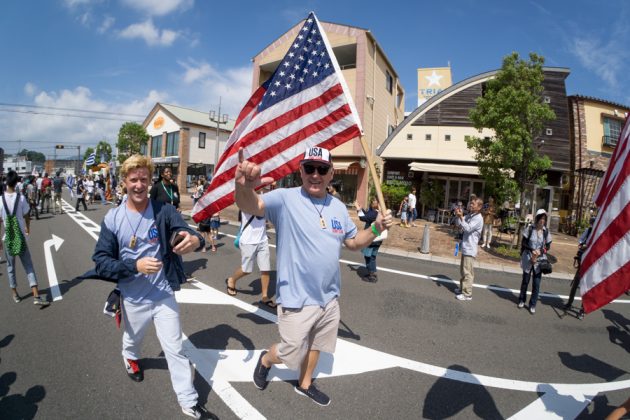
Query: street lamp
x=218 y=119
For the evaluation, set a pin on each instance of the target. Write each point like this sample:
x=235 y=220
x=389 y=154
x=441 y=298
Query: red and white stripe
x=605 y=267
x=322 y=115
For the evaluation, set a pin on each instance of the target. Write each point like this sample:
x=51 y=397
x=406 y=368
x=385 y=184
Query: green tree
x=87 y=153
x=32 y=155
x=512 y=106
x=104 y=150
x=131 y=137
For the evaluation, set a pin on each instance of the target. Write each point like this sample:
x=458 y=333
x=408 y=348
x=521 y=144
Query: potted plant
x=431 y=194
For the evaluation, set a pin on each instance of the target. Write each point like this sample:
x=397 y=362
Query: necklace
x=168 y=192
x=322 y=222
x=132 y=242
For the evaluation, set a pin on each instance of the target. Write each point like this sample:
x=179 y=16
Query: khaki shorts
x=258 y=252
x=309 y=328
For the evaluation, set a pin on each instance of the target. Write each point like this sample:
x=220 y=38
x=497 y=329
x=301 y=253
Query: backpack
x=14 y=238
x=529 y=237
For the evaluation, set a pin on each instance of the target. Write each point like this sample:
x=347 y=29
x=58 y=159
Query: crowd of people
x=143 y=238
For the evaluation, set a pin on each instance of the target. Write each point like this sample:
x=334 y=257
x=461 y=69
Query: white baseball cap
x=317 y=154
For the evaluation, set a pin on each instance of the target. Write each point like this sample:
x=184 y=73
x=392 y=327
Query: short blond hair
x=135 y=162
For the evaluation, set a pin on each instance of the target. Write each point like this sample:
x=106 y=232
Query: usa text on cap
x=317 y=154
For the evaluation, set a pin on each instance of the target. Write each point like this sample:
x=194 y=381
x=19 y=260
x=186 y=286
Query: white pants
x=487 y=234
x=165 y=316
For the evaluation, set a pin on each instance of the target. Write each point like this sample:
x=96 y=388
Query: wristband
x=374 y=231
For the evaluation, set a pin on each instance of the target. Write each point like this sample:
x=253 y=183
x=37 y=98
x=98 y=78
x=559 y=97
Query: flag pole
x=377 y=182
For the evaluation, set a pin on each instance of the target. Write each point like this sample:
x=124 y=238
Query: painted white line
x=91 y=227
x=56 y=241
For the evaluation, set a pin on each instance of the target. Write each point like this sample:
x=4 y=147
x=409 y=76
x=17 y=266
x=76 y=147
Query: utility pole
x=218 y=119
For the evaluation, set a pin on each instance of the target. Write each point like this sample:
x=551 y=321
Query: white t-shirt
x=90 y=186
x=255 y=233
x=412 y=201
x=22 y=210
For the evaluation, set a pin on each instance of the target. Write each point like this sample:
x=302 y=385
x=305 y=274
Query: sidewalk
x=407 y=242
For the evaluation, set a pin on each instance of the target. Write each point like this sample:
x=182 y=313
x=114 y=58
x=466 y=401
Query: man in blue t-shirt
x=311 y=226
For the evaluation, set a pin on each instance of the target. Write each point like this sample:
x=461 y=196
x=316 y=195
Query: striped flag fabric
x=305 y=103
x=91 y=160
x=605 y=267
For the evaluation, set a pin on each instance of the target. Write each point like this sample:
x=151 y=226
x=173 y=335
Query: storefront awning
x=167 y=159
x=342 y=164
x=444 y=168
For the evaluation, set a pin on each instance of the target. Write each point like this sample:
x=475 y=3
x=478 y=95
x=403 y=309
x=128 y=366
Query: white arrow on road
x=50 y=265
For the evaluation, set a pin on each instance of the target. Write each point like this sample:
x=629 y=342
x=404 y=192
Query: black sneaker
x=261 y=372
x=314 y=394
x=198 y=411
x=133 y=370
x=580 y=314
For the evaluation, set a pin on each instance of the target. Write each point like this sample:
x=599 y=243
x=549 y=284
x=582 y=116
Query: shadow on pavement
x=448 y=397
x=597 y=409
x=17 y=406
x=588 y=364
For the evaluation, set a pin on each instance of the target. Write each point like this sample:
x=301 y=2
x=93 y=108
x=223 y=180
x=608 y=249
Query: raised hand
x=248 y=173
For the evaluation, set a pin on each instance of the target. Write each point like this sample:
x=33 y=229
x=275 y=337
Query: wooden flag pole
x=372 y=168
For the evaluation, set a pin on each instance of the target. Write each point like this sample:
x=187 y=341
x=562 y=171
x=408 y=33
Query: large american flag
x=305 y=103
x=605 y=267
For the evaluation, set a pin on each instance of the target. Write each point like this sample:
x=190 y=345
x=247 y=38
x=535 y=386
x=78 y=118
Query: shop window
x=202 y=140
x=409 y=136
x=156 y=146
x=172 y=143
x=447 y=137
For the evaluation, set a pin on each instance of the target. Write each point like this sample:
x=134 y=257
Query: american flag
x=605 y=267
x=305 y=103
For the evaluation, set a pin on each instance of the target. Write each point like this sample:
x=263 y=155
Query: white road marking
x=91 y=227
x=56 y=241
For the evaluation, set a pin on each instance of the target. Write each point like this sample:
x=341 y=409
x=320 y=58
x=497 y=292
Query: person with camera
x=470 y=225
x=140 y=248
x=536 y=242
x=577 y=260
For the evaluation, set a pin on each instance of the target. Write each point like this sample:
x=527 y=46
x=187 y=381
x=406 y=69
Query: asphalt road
x=407 y=348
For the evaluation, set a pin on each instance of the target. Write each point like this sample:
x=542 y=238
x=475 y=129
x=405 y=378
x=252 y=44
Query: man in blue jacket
x=138 y=249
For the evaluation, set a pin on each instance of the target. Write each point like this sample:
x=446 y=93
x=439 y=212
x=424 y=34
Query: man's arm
x=192 y=241
x=106 y=257
x=246 y=179
x=366 y=236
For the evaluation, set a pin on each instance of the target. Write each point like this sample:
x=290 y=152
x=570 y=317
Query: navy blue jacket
x=106 y=254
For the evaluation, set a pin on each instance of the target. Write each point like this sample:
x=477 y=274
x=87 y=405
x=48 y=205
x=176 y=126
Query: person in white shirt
x=412 y=212
x=14 y=203
x=254 y=246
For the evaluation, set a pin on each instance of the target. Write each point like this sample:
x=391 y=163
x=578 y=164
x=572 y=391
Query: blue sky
x=123 y=56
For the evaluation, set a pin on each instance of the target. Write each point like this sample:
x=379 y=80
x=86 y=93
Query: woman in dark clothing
x=165 y=190
x=369 y=216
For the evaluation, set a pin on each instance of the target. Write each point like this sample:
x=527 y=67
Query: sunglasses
x=310 y=169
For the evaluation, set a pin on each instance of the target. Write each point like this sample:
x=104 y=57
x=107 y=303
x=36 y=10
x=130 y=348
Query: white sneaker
x=462 y=296
x=521 y=305
x=532 y=310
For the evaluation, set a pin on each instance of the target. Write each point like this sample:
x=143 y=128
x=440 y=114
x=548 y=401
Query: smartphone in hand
x=176 y=238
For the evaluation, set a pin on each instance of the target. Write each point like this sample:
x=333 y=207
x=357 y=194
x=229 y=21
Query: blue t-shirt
x=122 y=222
x=307 y=253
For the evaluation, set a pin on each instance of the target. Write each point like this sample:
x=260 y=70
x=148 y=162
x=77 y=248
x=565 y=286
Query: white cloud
x=108 y=22
x=47 y=130
x=149 y=33
x=71 y=4
x=159 y=7
x=203 y=85
x=30 y=89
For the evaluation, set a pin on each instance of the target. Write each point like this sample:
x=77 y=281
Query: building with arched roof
x=430 y=144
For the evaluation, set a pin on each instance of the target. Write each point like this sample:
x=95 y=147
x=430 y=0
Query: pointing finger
x=240 y=155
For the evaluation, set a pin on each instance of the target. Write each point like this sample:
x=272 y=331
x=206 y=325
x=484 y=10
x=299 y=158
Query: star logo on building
x=433 y=79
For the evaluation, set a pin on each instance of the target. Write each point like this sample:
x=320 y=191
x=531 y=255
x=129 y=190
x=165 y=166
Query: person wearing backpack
x=536 y=243
x=14 y=213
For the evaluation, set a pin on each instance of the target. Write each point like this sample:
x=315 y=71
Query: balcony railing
x=610 y=141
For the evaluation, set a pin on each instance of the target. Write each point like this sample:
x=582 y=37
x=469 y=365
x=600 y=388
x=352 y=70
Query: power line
x=91 y=117
x=72 y=109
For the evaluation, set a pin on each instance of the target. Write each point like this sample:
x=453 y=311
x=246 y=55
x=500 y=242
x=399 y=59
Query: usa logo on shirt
x=153 y=234
x=336 y=226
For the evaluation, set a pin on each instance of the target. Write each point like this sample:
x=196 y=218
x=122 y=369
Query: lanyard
x=169 y=194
